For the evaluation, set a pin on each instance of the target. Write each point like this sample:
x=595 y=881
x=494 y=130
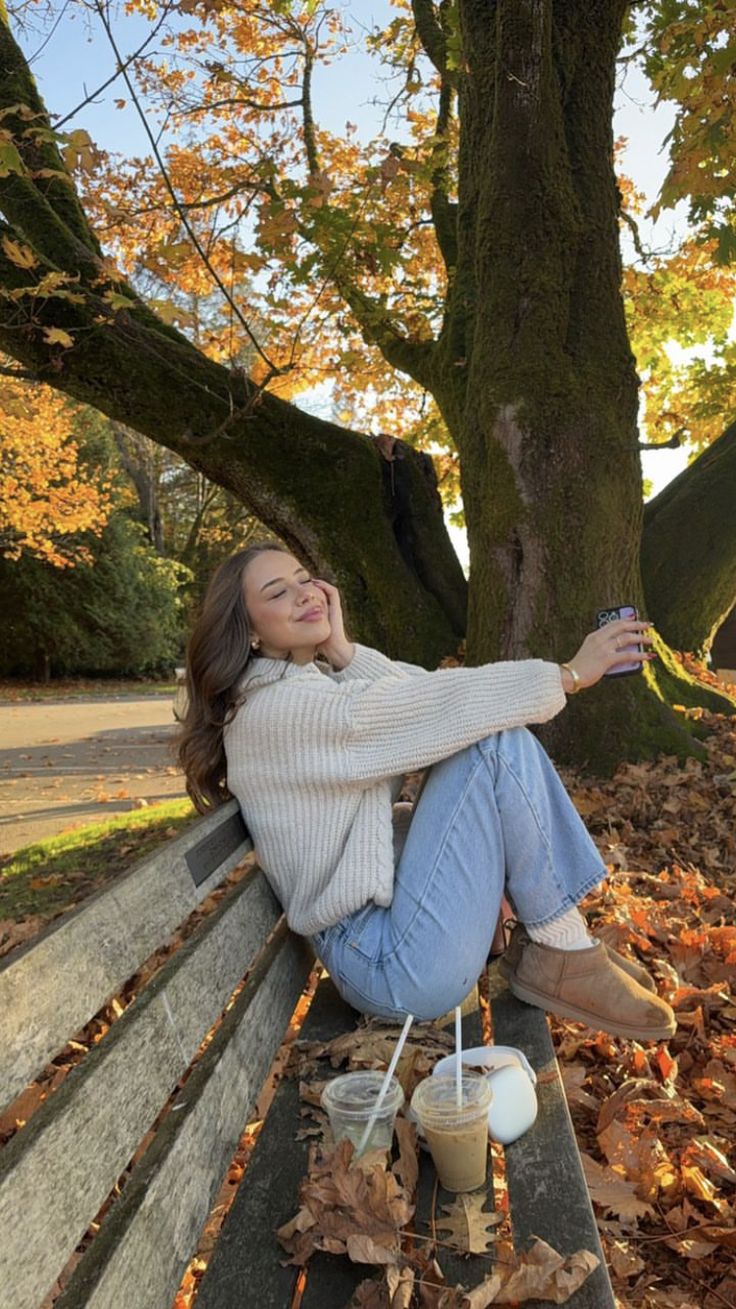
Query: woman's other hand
x=338 y=651
x=609 y=647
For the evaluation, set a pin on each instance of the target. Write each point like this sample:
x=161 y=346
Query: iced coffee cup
x=351 y=1101
x=456 y=1133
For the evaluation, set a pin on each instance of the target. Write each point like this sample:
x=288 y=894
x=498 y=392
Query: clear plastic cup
x=457 y=1135
x=350 y=1101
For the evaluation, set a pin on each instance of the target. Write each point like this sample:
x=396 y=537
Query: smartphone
x=611 y=616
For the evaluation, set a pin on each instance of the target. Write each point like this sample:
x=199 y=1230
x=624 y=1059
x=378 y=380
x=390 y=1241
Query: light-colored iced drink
x=457 y=1134
x=351 y=1101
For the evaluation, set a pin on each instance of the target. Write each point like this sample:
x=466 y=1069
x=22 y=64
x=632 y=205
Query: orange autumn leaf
x=46 y=497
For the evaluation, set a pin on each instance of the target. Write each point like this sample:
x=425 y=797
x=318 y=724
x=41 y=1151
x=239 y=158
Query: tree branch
x=233 y=102
x=37 y=198
x=310 y=137
x=430 y=33
x=444 y=212
x=20 y=374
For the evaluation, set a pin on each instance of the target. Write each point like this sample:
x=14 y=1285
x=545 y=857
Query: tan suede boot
x=520 y=935
x=588 y=987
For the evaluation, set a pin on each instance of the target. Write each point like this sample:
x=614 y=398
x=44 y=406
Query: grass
x=53 y=875
x=79 y=688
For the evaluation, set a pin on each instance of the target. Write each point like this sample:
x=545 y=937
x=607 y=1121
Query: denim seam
x=544 y=840
x=437 y=859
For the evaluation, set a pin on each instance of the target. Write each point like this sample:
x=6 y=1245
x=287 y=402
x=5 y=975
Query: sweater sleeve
x=370 y=664
x=397 y=723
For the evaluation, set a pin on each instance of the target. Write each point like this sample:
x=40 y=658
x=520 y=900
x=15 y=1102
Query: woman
x=403 y=914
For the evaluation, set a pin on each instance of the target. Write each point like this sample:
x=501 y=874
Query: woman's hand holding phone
x=618 y=646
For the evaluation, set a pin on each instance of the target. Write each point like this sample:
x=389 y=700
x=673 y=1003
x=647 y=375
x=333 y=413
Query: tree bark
x=550 y=468
x=133 y=457
x=688 y=556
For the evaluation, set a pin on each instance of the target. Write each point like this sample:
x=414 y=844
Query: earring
x=255 y=644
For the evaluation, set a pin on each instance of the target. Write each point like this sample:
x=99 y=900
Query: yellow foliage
x=45 y=497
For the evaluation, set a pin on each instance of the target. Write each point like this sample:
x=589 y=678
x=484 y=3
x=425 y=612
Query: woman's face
x=287 y=612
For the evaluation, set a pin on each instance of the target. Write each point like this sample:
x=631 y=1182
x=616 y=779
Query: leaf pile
x=364 y=1209
x=656 y=1124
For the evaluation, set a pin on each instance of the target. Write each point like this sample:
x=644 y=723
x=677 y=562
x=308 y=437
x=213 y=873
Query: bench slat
x=548 y=1195
x=49 y=990
x=245 y=1268
x=145 y=1243
x=55 y=1175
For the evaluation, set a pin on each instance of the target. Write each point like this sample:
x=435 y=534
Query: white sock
x=568 y=931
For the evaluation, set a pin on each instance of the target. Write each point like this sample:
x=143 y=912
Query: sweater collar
x=262 y=671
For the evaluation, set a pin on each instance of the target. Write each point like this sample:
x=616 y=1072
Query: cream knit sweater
x=316 y=760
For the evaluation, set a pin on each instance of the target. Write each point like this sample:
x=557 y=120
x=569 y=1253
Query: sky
x=74 y=58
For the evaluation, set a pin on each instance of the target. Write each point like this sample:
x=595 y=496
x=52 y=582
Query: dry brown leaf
x=613 y=1193
x=481 y=1296
x=707 y=1154
x=363 y=1249
x=543 y=1274
x=468 y=1226
x=699 y=1185
x=400 y=1284
x=13 y=934
x=371 y=1294
x=624 y=1261
x=643 y=1098
x=573 y=1076
x=723 y=1294
x=640 y=1158
x=340 y=1202
x=406 y=1167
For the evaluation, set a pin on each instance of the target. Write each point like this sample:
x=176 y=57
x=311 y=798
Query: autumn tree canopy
x=457 y=279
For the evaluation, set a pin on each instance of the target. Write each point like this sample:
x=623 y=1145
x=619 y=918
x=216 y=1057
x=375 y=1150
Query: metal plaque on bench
x=207 y=855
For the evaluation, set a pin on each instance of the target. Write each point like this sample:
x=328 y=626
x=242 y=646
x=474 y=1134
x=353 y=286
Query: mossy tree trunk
x=550 y=467
x=688 y=556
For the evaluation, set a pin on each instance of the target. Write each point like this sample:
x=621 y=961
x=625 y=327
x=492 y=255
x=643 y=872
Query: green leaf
x=726 y=237
x=117 y=300
x=10 y=160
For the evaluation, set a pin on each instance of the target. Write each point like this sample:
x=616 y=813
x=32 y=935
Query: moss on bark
x=688 y=556
x=550 y=466
x=676 y=686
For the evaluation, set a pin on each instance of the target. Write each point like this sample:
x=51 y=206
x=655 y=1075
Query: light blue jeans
x=492 y=819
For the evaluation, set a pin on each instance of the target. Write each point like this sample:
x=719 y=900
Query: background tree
x=116 y=612
x=47 y=497
x=478 y=256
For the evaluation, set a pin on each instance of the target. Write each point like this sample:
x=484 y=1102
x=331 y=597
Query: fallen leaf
x=484 y=1294
x=406 y=1167
x=543 y=1274
x=624 y=1261
x=613 y=1193
x=468 y=1226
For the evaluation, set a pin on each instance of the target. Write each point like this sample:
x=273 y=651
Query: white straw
x=385 y=1084
x=458 y=1057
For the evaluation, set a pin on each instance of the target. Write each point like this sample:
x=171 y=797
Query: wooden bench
x=59 y=1170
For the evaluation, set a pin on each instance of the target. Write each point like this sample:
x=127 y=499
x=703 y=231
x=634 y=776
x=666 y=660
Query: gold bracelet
x=576 y=684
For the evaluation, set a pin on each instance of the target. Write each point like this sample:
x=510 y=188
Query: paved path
x=63 y=763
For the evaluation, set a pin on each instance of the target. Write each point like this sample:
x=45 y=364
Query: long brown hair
x=218 y=653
